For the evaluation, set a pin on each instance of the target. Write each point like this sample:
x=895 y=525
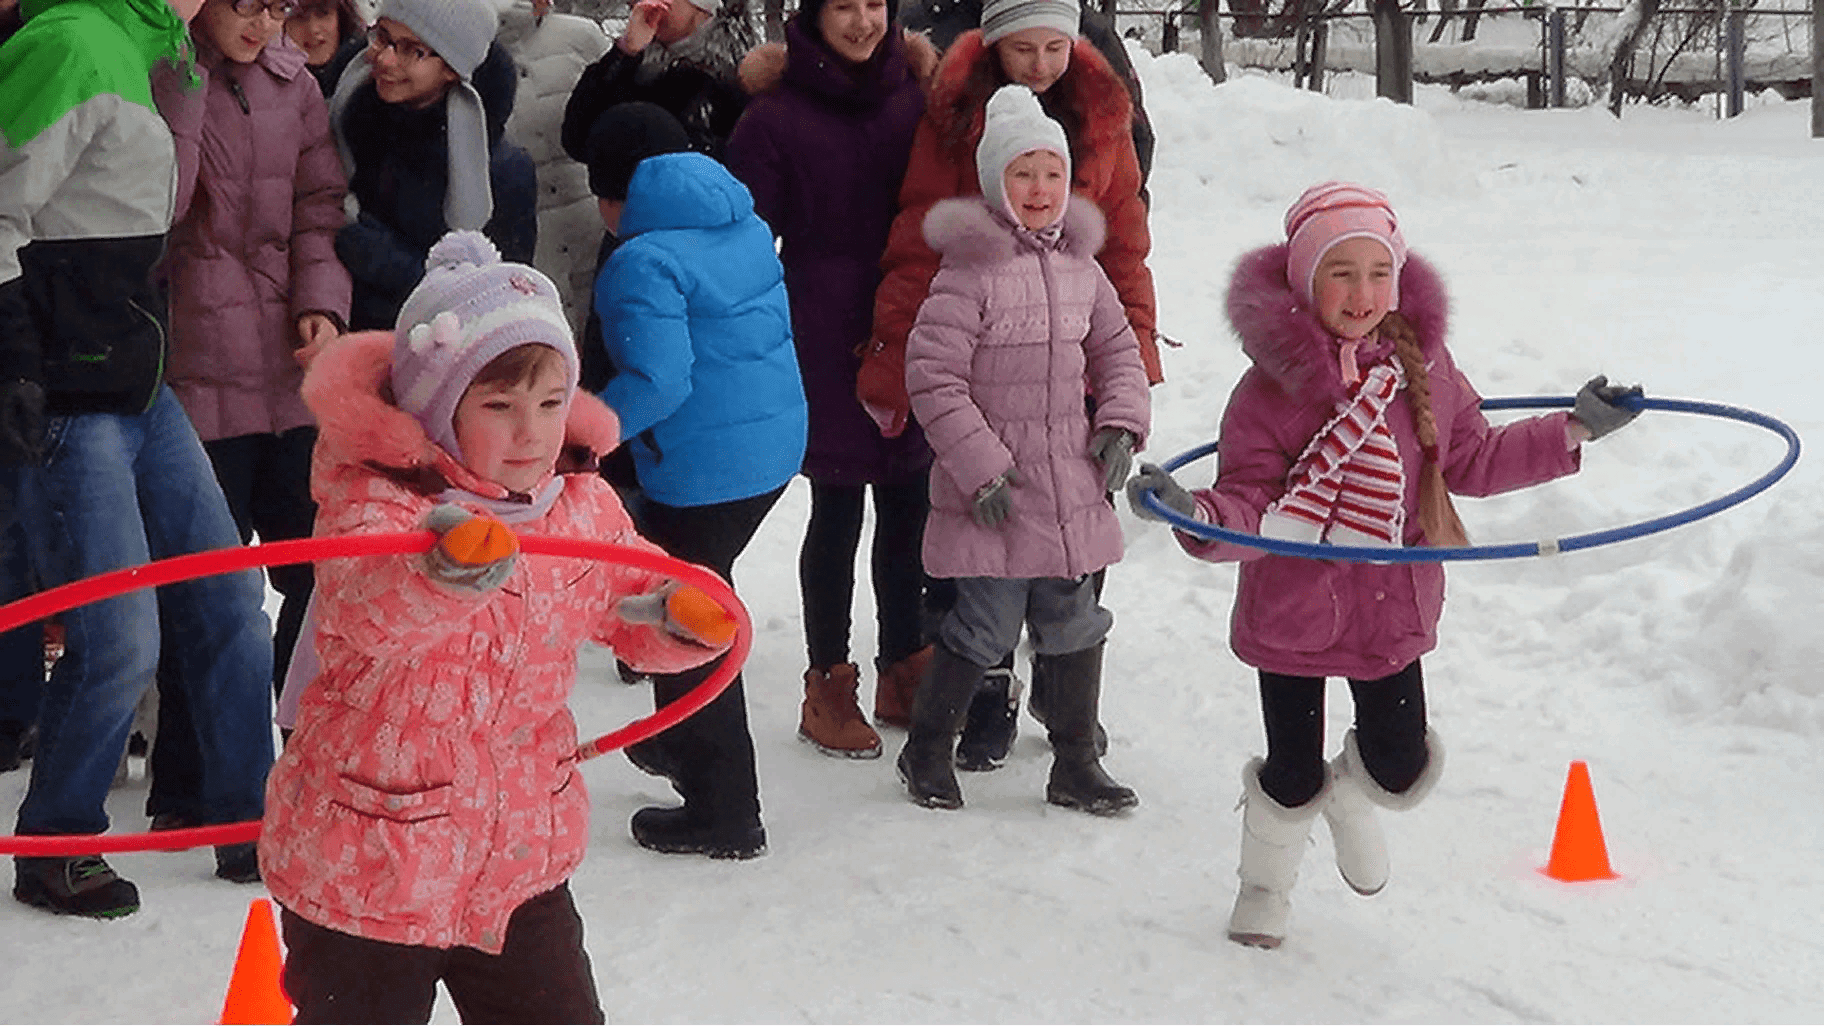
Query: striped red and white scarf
x=1348 y=486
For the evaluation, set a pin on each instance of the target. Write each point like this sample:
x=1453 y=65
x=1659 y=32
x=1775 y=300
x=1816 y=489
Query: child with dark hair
x=420 y=118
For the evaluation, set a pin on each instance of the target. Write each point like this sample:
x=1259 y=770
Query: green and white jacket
x=87 y=182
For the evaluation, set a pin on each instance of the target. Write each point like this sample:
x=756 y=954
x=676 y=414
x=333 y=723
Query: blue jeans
x=116 y=491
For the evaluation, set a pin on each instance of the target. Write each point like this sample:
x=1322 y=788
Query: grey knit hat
x=459 y=30
x=1001 y=18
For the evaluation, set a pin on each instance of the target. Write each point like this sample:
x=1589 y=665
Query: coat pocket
x=1291 y=604
x=399 y=806
x=400 y=854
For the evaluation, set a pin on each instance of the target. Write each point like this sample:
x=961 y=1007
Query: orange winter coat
x=430 y=787
x=1097 y=114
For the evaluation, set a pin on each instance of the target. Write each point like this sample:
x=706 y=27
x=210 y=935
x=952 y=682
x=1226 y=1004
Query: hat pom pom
x=1012 y=101
x=459 y=248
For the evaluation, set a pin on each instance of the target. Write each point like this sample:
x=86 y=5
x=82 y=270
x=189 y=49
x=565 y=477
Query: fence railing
x=1304 y=42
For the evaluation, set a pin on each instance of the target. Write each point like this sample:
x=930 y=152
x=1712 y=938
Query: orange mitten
x=695 y=613
x=476 y=553
x=480 y=540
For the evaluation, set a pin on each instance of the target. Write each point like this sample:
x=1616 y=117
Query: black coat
x=401 y=172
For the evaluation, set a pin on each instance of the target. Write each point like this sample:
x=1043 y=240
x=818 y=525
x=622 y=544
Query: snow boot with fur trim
x=1361 y=847
x=927 y=764
x=1272 y=846
x=1077 y=778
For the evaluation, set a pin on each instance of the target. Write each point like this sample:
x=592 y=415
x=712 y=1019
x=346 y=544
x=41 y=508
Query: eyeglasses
x=379 y=40
x=280 y=9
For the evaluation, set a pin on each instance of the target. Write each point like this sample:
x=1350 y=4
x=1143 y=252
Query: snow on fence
x=1686 y=52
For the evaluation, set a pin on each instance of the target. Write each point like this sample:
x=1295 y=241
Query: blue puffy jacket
x=695 y=319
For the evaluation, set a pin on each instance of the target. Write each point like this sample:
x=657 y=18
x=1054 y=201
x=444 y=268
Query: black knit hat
x=622 y=136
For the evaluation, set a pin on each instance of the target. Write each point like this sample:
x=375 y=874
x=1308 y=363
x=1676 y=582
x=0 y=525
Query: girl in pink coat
x=427 y=812
x=1019 y=316
x=254 y=282
x=1352 y=428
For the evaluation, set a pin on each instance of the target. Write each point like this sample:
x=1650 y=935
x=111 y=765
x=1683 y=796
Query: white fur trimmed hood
x=967 y=231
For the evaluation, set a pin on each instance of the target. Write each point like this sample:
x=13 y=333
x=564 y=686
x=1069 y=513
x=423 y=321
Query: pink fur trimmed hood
x=965 y=231
x=346 y=388
x=1284 y=338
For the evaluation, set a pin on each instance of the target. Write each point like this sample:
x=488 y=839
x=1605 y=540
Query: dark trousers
x=1389 y=731
x=712 y=751
x=266 y=479
x=826 y=569
x=541 y=975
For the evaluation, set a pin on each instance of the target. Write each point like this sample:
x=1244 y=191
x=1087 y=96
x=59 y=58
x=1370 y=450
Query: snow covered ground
x=1667 y=248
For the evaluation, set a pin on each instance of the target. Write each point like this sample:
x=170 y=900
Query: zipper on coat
x=240 y=96
x=158 y=378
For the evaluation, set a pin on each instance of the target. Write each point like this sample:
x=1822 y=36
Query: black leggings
x=826 y=569
x=1389 y=732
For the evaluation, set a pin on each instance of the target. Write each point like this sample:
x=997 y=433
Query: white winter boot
x=1361 y=848
x=1272 y=845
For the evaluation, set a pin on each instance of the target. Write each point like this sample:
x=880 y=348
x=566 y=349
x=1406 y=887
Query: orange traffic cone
x=1578 y=852
x=254 y=995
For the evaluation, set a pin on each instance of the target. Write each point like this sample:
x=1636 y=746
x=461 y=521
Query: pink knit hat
x=1330 y=213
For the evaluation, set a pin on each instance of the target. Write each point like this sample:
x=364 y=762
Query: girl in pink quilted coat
x=1019 y=317
x=254 y=281
x=427 y=812
x=1352 y=428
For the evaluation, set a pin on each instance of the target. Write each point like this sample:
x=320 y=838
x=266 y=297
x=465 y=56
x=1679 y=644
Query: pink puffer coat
x=1318 y=618
x=252 y=247
x=996 y=366
x=431 y=786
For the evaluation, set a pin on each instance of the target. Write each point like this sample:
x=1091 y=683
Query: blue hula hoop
x=1516 y=550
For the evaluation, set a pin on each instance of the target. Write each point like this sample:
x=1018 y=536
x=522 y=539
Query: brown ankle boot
x=831 y=718
x=895 y=686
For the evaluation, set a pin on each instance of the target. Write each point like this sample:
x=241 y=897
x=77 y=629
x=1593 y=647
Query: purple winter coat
x=823 y=151
x=252 y=245
x=1317 y=618
x=996 y=365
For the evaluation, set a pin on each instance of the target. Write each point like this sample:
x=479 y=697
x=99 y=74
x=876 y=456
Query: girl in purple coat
x=1018 y=318
x=1352 y=428
x=823 y=147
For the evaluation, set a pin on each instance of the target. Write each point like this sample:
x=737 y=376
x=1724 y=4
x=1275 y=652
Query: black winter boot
x=993 y=722
x=1038 y=702
x=1077 y=778
x=709 y=758
x=927 y=763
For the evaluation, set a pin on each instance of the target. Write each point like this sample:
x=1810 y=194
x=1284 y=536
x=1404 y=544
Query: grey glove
x=446 y=569
x=1603 y=408
x=1113 y=450
x=1170 y=493
x=994 y=500
x=21 y=423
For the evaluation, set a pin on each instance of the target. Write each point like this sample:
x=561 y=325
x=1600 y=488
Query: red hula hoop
x=307 y=550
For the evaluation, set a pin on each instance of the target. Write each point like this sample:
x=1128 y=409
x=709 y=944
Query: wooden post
x=1209 y=42
x=1168 y=33
x=1320 y=46
x=774 y=11
x=1554 y=51
x=1392 y=52
x=1817 y=69
x=1735 y=54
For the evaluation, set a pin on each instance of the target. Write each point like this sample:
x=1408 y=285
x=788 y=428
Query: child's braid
x=1437 y=515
